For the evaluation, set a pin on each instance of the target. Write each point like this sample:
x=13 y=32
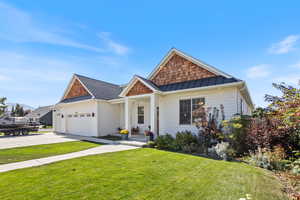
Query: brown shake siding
x=139 y=88
x=77 y=90
x=179 y=69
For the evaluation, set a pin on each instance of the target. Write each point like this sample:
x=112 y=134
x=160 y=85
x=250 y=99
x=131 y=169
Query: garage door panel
x=80 y=125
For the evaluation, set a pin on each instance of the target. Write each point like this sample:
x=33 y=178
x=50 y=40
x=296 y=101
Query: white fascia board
x=75 y=102
x=248 y=96
x=191 y=59
x=131 y=84
x=74 y=77
x=85 y=87
x=205 y=88
x=68 y=87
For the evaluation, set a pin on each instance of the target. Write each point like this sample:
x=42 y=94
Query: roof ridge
x=111 y=84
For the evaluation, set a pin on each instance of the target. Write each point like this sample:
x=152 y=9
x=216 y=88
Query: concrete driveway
x=29 y=140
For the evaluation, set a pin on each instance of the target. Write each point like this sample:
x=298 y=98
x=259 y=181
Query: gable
x=76 y=90
x=179 y=69
x=139 y=88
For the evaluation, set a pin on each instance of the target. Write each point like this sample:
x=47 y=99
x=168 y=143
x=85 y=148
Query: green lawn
x=140 y=174
x=40 y=151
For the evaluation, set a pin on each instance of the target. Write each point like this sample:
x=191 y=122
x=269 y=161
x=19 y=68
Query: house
x=41 y=115
x=163 y=102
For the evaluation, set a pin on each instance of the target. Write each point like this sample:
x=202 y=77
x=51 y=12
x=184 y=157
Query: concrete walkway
x=7 y=142
x=52 y=159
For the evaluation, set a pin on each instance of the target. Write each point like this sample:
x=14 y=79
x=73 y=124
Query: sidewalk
x=43 y=161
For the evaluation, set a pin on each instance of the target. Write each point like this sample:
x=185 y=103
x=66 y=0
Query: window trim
x=191 y=108
x=138 y=115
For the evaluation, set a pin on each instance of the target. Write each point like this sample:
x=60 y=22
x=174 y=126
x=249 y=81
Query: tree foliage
x=17 y=111
x=279 y=123
x=2 y=105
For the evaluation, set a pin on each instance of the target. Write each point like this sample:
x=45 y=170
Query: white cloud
x=284 y=46
x=296 y=65
x=27 y=68
x=19 y=26
x=258 y=71
x=113 y=45
x=4 y=78
x=293 y=79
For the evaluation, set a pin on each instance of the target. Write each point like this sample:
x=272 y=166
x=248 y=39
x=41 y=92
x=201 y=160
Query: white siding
x=169 y=107
x=246 y=108
x=134 y=115
x=86 y=126
x=109 y=118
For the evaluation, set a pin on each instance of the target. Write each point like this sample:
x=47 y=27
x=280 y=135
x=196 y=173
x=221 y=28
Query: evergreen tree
x=13 y=112
x=2 y=105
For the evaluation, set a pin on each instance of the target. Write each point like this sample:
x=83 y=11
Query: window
x=187 y=108
x=75 y=115
x=81 y=115
x=88 y=115
x=196 y=104
x=140 y=114
x=185 y=111
x=69 y=116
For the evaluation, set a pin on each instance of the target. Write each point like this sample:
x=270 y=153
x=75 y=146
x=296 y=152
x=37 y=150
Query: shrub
x=272 y=160
x=165 y=142
x=186 y=141
x=236 y=129
x=150 y=144
x=223 y=151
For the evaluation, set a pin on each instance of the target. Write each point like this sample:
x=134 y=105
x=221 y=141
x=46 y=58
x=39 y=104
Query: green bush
x=165 y=142
x=150 y=144
x=187 y=142
x=236 y=129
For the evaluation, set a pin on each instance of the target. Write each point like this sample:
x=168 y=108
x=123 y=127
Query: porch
x=138 y=114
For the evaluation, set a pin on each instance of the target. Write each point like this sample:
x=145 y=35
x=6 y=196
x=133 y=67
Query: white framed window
x=141 y=114
x=186 y=108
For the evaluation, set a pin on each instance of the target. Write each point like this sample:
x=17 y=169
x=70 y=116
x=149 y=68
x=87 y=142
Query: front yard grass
x=141 y=174
x=40 y=151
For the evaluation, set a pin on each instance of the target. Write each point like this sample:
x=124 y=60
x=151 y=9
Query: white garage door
x=80 y=124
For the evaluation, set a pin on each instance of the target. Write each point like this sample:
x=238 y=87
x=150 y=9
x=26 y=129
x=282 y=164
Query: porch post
x=127 y=115
x=153 y=114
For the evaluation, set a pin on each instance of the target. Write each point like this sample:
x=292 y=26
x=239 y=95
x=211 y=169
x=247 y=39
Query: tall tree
x=2 y=105
x=19 y=111
x=12 y=112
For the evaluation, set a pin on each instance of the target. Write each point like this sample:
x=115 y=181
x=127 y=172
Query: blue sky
x=42 y=43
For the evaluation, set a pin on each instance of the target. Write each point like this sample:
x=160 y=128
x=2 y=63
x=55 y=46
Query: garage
x=80 y=124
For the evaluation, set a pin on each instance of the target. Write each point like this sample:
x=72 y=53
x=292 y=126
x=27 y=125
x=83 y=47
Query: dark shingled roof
x=100 y=89
x=39 y=112
x=76 y=99
x=148 y=82
x=107 y=91
x=211 y=81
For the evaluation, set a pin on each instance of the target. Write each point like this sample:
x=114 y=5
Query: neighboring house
x=41 y=115
x=163 y=101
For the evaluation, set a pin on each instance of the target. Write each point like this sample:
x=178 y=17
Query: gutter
x=206 y=88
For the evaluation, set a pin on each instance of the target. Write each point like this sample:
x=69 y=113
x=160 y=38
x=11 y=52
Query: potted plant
x=149 y=135
x=124 y=134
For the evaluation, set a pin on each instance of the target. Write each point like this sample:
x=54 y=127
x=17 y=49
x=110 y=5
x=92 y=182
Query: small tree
x=2 y=105
x=279 y=123
x=19 y=111
x=207 y=123
x=12 y=112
